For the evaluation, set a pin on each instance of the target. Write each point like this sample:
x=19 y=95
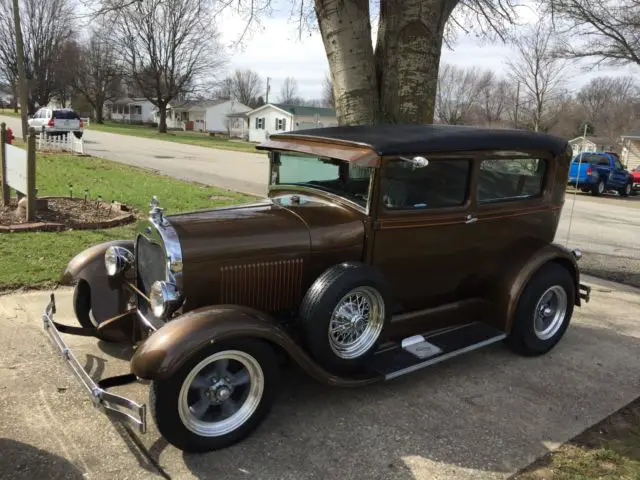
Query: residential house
x=129 y=110
x=213 y=116
x=276 y=117
x=593 y=144
x=630 y=149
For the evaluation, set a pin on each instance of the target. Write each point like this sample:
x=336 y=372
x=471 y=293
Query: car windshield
x=329 y=175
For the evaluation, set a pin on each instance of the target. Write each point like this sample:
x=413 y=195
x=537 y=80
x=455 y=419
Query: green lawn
x=32 y=259
x=178 y=136
x=9 y=112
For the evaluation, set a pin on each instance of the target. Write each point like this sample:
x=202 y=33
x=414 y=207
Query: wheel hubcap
x=221 y=393
x=356 y=322
x=550 y=312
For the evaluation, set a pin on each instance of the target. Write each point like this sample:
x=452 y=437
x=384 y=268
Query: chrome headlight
x=164 y=298
x=117 y=260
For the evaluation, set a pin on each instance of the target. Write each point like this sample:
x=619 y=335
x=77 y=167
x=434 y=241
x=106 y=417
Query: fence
x=67 y=142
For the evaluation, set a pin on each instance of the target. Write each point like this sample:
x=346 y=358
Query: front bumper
x=110 y=403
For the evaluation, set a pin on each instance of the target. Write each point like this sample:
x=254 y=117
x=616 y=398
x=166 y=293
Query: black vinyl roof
x=413 y=139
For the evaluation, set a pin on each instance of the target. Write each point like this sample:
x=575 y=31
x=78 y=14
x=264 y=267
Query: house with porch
x=212 y=116
x=630 y=156
x=277 y=117
x=594 y=144
x=129 y=110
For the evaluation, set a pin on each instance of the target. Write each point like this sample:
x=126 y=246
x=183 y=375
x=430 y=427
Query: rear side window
x=66 y=115
x=510 y=179
x=440 y=184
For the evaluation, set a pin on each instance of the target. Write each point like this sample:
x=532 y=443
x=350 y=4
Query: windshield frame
x=307 y=187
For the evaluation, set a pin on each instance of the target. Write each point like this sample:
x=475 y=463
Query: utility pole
x=517 y=104
x=268 y=88
x=22 y=79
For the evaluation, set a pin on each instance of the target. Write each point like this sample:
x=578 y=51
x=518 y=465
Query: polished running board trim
x=444 y=357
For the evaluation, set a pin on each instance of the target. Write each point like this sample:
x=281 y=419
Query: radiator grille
x=268 y=286
x=150 y=267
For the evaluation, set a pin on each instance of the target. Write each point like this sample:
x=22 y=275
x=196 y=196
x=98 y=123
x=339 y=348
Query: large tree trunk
x=98 y=108
x=398 y=83
x=162 y=126
x=346 y=33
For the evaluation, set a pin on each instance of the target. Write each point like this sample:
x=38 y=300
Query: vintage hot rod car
x=379 y=251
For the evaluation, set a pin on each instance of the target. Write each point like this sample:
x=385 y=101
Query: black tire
x=599 y=188
x=625 y=191
x=82 y=304
x=584 y=189
x=78 y=135
x=523 y=338
x=322 y=299
x=164 y=398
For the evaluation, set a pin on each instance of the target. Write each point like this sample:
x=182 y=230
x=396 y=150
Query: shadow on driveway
x=22 y=461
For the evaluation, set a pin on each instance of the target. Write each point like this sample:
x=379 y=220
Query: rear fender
x=508 y=290
x=167 y=349
x=109 y=296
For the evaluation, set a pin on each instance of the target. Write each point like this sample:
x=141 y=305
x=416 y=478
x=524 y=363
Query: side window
x=604 y=161
x=618 y=164
x=440 y=184
x=510 y=179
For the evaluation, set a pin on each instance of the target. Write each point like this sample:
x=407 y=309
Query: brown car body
x=242 y=271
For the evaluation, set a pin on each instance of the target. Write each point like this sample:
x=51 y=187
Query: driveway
x=239 y=171
x=479 y=416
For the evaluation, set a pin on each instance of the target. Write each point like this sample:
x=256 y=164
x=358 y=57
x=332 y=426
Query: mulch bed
x=63 y=213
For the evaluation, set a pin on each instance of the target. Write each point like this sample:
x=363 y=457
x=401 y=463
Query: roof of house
x=631 y=134
x=298 y=110
x=412 y=139
x=596 y=140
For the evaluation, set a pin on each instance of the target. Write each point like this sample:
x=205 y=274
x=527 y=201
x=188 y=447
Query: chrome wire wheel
x=221 y=393
x=356 y=322
x=550 y=312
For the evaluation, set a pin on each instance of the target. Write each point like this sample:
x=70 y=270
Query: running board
x=419 y=352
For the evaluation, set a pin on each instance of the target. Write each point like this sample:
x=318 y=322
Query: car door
x=620 y=174
x=421 y=234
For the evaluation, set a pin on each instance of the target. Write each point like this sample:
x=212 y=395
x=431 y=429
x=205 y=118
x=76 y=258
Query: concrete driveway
x=484 y=415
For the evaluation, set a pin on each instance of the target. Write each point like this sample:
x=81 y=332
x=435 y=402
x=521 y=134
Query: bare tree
x=243 y=85
x=99 y=71
x=607 y=30
x=457 y=93
x=289 y=91
x=609 y=104
x=46 y=29
x=169 y=48
x=539 y=73
x=328 y=100
x=495 y=96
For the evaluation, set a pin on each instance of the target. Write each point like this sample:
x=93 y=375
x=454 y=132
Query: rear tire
x=598 y=189
x=78 y=135
x=82 y=305
x=625 y=191
x=544 y=311
x=204 y=406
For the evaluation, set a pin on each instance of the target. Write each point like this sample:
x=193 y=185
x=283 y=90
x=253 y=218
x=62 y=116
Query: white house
x=213 y=116
x=631 y=150
x=593 y=144
x=276 y=117
x=129 y=110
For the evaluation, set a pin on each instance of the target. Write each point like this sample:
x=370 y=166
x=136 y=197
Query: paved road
x=480 y=416
x=241 y=171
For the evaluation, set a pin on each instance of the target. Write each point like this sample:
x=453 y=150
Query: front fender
x=166 y=350
x=520 y=272
x=108 y=297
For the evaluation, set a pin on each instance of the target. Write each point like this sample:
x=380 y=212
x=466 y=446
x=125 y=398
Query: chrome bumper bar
x=109 y=403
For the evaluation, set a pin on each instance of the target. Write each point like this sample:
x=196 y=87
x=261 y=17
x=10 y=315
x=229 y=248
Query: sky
x=274 y=50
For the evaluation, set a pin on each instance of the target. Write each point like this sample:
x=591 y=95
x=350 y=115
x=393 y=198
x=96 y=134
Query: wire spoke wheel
x=356 y=322
x=221 y=393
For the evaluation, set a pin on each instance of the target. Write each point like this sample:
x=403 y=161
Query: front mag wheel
x=217 y=398
x=544 y=311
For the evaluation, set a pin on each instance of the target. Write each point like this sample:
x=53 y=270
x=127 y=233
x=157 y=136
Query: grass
x=178 y=136
x=9 y=112
x=37 y=259
x=609 y=451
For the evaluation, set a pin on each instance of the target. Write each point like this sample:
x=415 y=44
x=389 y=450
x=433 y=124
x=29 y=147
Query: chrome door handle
x=471 y=219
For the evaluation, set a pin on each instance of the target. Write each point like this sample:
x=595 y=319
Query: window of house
x=440 y=184
x=260 y=123
x=510 y=179
x=281 y=123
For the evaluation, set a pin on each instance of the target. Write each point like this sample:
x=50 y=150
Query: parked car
x=599 y=172
x=56 y=122
x=378 y=251
x=635 y=175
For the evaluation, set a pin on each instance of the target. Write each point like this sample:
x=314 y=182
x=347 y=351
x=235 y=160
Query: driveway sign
x=16 y=168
